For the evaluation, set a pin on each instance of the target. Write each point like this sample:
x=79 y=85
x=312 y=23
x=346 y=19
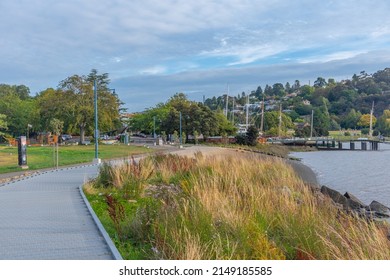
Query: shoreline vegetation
x=230 y=204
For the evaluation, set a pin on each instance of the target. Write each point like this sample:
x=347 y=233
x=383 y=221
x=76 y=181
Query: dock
x=360 y=144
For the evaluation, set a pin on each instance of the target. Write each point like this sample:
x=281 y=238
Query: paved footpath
x=44 y=217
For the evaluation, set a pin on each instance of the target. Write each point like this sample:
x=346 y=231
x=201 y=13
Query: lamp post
x=181 y=141
x=154 y=127
x=96 y=159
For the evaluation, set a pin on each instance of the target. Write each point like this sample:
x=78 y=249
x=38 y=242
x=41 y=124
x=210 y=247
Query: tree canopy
x=195 y=118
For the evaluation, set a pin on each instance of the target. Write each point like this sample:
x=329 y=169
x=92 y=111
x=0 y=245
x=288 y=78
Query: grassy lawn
x=43 y=157
x=340 y=135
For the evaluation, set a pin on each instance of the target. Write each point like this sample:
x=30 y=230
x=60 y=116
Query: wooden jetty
x=360 y=144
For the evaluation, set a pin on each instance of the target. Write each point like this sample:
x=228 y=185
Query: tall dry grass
x=262 y=210
x=246 y=207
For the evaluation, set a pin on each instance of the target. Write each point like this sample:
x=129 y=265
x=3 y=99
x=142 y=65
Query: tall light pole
x=154 y=127
x=181 y=141
x=96 y=159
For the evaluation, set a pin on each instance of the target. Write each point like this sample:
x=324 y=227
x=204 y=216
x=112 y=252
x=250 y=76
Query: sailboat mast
x=227 y=101
x=371 y=116
x=233 y=110
x=247 y=112
x=311 y=124
x=280 y=119
x=262 y=117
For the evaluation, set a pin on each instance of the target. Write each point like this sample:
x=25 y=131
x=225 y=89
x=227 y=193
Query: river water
x=365 y=174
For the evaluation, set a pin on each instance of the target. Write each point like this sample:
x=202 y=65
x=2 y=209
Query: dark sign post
x=22 y=152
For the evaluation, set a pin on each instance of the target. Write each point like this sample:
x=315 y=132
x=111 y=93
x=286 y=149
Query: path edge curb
x=111 y=245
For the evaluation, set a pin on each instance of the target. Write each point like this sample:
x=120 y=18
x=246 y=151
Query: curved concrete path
x=45 y=217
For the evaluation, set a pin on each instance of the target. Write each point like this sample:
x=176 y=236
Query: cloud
x=146 y=91
x=153 y=70
x=333 y=56
x=154 y=47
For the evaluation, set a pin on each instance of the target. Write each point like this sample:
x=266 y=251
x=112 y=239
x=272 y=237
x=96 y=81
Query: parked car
x=66 y=137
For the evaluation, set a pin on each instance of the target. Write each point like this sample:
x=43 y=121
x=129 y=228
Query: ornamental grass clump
x=244 y=206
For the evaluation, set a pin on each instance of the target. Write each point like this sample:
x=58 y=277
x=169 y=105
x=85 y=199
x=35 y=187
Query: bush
x=365 y=131
x=250 y=138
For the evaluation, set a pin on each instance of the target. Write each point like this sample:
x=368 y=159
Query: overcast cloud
x=153 y=49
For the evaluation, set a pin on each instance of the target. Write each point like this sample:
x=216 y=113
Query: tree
x=271 y=123
x=320 y=82
x=364 y=120
x=321 y=122
x=278 y=90
x=268 y=90
x=351 y=119
x=3 y=125
x=56 y=126
x=307 y=91
x=297 y=85
x=196 y=117
x=73 y=103
x=259 y=92
x=383 y=123
x=251 y=136
x=288 y=87
x=19 y=112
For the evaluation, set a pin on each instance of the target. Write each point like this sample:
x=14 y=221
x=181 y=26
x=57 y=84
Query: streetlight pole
x=154 y=130
x=96 y=159
x=181 y=141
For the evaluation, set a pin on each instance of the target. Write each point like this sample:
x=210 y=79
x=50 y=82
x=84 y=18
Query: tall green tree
x=195 y=118
x=19 y=112
x=320 y=82
x=271 y=123
x=3 y=125
x=351 y=119
x=73 y=103
x=383 y=123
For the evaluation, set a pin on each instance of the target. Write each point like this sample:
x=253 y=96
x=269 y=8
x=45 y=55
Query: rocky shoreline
x=348 y=202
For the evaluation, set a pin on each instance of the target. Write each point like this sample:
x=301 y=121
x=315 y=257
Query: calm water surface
x=366 y=174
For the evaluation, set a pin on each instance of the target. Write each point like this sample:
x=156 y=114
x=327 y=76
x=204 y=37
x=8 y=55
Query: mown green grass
x=43 y=157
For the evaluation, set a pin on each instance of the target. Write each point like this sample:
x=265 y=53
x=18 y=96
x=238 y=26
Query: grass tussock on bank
x=236 y=207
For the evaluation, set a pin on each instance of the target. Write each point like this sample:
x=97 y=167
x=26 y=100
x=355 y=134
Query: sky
x=154 y=49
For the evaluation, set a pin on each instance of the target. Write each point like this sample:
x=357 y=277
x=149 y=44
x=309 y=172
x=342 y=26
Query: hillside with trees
x=336 y=105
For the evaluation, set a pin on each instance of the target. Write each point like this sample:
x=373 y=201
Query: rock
x=354 y=202
x=335 y=196
x=378 y=207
